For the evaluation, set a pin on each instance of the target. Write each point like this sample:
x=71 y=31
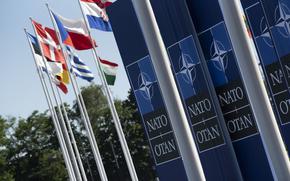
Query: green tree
x=4 y=170
x=29 y=148
x=107 y=138
x=34 y=151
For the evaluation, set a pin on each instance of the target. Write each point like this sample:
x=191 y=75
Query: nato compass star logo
x=282 y=18
x=265 y=33
x=187 y=68
x=219 y=56
x=145 y=85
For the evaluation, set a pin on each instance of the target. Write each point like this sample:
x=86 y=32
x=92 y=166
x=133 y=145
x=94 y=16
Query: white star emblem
x=187 y=68
x=282 y=17
x=219 y=56
x=145 y=85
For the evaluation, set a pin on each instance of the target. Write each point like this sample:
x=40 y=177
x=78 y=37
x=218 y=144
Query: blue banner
x=194 y=91
x=222 y=63
x=195 y=87
x=269 y=22
x=137 y=62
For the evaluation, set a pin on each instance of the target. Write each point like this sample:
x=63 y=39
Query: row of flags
x=75 y=36
x=54 y=52
x=53 y=68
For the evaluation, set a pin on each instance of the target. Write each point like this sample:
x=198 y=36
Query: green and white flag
x=110 y=71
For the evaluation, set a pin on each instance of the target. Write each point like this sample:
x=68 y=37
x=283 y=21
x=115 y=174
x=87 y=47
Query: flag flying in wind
x=110 y=71
x=57 y=80
x=96 y=16
x=53 y=68
x=101 y=3
x=51 y=49
x=73 y=32
x=49 y=46
x=79 y=68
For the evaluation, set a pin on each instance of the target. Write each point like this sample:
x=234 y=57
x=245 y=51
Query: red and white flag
x=101 y=3
x=50 y=47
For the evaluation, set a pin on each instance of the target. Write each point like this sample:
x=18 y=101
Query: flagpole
x=84 y=110
x=266 y=121
x=60 y=127
x=112 y=107
x=172 y=100
x=67 y=138
x=90 y=131
x=86 y=115
x=81 y=166
x=87 y=123
x=62 y=124
x=53 y=115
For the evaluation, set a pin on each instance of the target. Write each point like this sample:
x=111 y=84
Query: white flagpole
x=90 y=131
x=67 y=138
x=247 y=61
x=62 y=123
x=53 y=115
x=115 y=155
x=87 y=123
x=169 y=89
x=61 y=128
x=112 y=107
x=74 y=143
x=86 y=115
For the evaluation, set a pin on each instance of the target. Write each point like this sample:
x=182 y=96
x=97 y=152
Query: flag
x=54 y=69
x=57 y=80
x=110 y=71
x=65 y=74
x=49 y=46
x=79 y=68
x=73 y=32
x=96 y=16
x=51 y=49
x=101 y=3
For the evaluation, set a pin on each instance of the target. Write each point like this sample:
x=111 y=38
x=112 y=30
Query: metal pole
x=112 y=107
x=63 y=137
x=89 y=126
x=247 y=61
x=68 y=122
x=90 y=133
x=53 y=115
x=66 y=137
x=169 y=89
x=66 y=140
x=115 y=155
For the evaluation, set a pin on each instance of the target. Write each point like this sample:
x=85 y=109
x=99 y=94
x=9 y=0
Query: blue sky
x=20 y=89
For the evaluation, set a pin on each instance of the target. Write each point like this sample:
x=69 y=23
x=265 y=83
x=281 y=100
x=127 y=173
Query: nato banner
x=144 y=84
x=232 y=95
x=269 y=22
x=199 y=99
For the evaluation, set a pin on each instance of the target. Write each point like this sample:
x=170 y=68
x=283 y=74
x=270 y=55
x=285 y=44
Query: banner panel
x=195 y=87
x=222 y=63
x=269 y=26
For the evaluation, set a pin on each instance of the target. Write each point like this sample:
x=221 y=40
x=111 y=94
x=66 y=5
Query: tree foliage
x=34 y=150
x=4 y=170
x=29 y=148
